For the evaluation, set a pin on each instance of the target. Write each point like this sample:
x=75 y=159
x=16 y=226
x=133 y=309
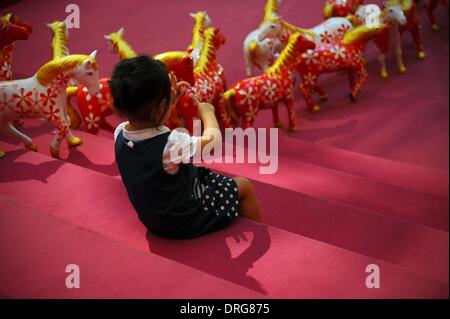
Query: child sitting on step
x=173 y=199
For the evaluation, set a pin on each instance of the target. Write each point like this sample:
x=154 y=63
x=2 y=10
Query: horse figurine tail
x=354 y=20
x=230 y=105
x=360 y=35
x=73 y=117
x=328 y=11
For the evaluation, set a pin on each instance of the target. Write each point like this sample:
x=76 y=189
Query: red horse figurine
x=209 y=82
x=347 y=55
x=275 y=86
x=11 y=29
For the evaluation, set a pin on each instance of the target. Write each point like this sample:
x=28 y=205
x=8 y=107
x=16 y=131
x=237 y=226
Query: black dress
x=193 y=202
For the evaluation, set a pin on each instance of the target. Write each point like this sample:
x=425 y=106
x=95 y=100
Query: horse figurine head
x=180 y=63
x=14 y=19
x=271 y=29
x=393 y=12
x=10 y=32
x=118 y=45
x=82 y=68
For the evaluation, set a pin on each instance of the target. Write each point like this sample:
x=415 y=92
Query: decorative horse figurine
x=275 y=86
x=179 y=62
x=209 y=86
x=347 y=55
x=341 y=8
x=431 y=5
x=329 y=31
x=391 y=17
x=44 y=95
x=262 y=53
x=202 y=21
x=11 y=29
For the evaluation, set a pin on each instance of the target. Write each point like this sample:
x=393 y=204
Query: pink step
x=244 y=253
x=421 y=208
x=40 y=247
x=348 y=227
x=380 y=169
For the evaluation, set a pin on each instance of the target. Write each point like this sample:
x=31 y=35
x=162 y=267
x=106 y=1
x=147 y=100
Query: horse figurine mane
x=200 y=18
x=287 y=56
x=60 y=39
x=123 y=48
x=208 y=54
x=270 y=11
x=49 y=71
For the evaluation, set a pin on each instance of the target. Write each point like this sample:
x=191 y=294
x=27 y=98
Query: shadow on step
x=28 y=171
x=77 y=157
x=229 y=254
x=318 y=134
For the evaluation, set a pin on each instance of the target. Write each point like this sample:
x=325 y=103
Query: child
x=172 y=199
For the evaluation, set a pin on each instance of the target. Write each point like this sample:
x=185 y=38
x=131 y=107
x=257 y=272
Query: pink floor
x=358 y=184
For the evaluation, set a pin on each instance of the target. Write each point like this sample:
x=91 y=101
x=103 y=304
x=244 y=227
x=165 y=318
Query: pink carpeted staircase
x=315 y=241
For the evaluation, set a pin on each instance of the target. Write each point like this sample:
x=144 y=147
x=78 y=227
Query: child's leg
x=248 y=204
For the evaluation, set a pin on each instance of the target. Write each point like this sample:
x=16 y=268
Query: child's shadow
x=26 y=171
x=227 y=254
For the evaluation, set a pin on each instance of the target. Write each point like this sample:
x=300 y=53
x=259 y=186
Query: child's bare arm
x=211 y=126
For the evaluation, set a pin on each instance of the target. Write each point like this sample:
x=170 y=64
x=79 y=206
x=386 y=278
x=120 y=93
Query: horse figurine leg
x=432 y=4
x=291 y=115
x=322 y=95
x=399 y=50
x=276 y=117
x=416 y=32
x=59 y=120
x=306 y=91
x=27 y=141
x=357 y=85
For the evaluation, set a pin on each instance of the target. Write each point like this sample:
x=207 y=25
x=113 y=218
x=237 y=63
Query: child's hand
x=178 y=89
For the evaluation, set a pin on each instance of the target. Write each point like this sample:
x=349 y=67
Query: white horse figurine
x=44 y=95
x=277 y=32
x=393 y=16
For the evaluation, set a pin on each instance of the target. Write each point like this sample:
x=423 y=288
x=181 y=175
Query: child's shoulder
x=119 y=129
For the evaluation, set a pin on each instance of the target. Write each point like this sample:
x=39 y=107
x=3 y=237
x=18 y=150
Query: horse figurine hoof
x=422 y=55
x=2 y=154
x=278 y=124
x=436 y=27
x=316 y=109
x=384 y=74
x=293 y=129
x=352 y=97
x=402 y=69
x=54 y=152
x=74 y=142
x=324 y=97
x=32 y=147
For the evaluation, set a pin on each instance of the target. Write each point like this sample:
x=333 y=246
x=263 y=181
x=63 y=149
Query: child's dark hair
x=138 y=87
